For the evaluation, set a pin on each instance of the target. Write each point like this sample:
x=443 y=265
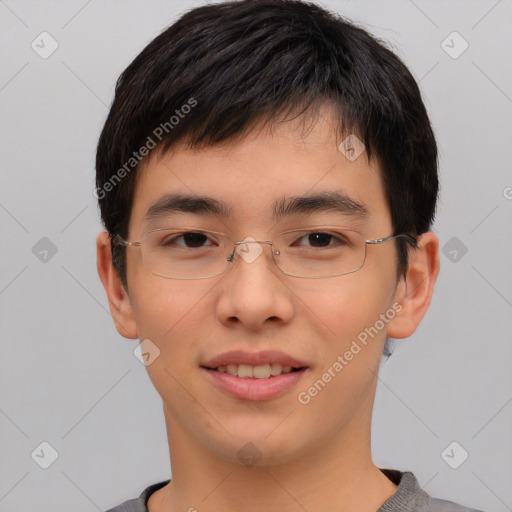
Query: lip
x=253 y=359
x=254 y=389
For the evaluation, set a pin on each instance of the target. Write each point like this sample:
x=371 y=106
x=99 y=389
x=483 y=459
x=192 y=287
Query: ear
x=118 y=299
x=414 y=290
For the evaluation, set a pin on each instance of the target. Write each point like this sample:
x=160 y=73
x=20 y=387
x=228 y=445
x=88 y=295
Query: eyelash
x=335 y=236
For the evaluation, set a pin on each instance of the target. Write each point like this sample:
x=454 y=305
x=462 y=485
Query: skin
x=316 y=456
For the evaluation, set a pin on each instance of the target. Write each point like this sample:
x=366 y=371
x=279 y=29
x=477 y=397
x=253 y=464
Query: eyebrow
x=328 y=201
x=172 y=203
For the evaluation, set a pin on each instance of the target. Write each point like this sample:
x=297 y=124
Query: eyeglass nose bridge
x=275 y=253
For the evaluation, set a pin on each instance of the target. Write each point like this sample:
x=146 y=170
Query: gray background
x=69 y=379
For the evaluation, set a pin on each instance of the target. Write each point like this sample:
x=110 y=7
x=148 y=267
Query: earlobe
x=118 y=299
x=415 y=289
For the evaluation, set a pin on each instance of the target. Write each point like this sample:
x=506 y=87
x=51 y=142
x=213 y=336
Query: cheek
x=342 y=308
x=169 y=311
x=344 y=375
x=170 y=314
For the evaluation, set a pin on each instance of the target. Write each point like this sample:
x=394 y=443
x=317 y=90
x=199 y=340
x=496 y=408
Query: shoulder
x=409 y=497
x=138 y=504
x=437 y=505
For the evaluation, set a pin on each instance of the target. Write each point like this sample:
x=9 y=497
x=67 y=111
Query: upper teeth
x=262 y=371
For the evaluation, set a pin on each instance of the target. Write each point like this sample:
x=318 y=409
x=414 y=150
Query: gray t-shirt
x=408 y=497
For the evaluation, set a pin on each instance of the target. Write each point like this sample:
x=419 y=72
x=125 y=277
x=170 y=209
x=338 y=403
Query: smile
x=254 y=376
x=262 y=371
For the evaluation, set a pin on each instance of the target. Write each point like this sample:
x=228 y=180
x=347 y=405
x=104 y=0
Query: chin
x=262 y=446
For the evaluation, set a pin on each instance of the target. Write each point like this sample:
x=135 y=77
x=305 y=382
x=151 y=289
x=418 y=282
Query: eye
x=321 y=239
x=190 y=240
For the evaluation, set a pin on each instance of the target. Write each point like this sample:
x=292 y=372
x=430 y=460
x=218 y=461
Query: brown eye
x=194 y=239
x=319 y=239
x=189 y=240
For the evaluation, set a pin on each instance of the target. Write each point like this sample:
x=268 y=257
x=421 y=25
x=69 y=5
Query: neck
x=338 y=475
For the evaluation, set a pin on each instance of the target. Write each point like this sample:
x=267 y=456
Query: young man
x=267 y=176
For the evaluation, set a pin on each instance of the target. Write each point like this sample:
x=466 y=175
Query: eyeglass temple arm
x=118 y=240
x=409 y=238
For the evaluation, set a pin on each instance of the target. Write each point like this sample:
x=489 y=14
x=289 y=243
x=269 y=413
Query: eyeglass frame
x=120 y=241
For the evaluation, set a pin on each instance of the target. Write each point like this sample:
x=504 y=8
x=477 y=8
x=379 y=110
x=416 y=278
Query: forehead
x=267 y=172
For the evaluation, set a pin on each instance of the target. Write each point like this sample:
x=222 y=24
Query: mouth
x=254 y=376
x=261 y=371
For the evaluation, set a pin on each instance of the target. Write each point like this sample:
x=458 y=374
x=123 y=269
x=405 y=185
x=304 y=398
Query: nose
x=252 y=292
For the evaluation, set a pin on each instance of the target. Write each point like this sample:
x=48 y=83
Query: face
x=253 y=314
